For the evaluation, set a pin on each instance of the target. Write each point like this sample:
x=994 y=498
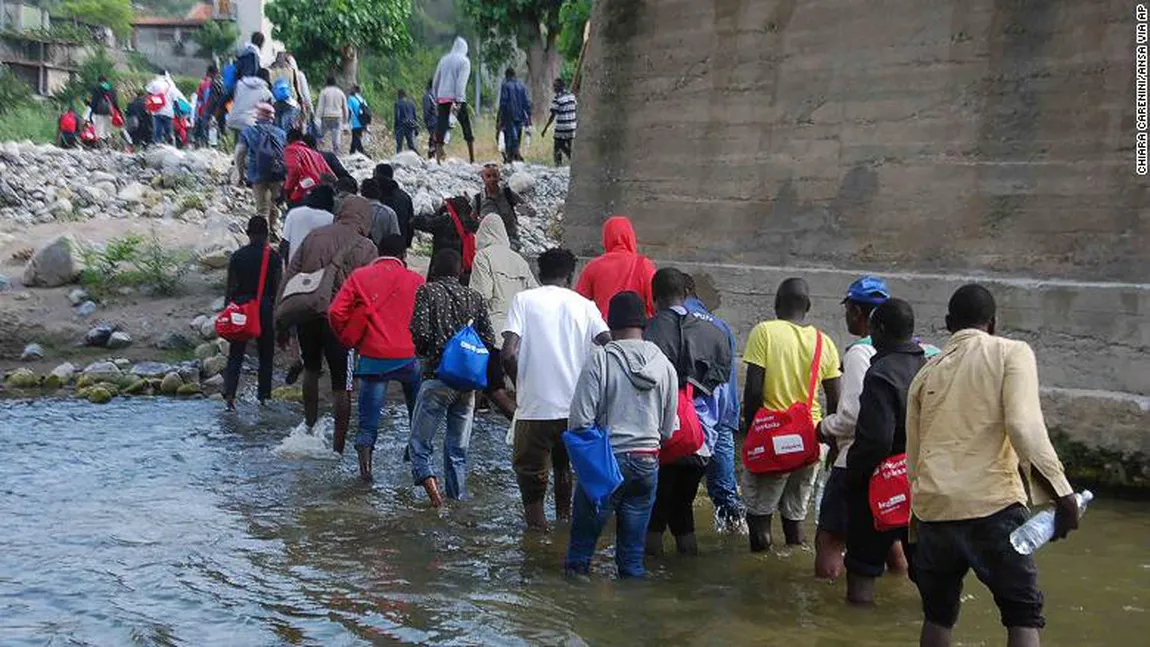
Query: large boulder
x=53 y=265
x=522 y=182
x=408 y=159
x=119 y=339
x=22 y=378
x=171 y=383
x=213 y=366
x=151 y=369
x=64 y=372
x=32 y=352
x=134 y=193
x=99 y=336
x=103 y=371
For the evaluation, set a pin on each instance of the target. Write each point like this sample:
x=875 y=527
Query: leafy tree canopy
x=217 y=37
x=114 y=14
x=326 y=35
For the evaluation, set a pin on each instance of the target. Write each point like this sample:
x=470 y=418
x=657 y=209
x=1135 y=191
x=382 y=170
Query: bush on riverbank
x=133 y=261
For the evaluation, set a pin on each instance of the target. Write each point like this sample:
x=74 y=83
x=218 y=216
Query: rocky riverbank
x=57 y=207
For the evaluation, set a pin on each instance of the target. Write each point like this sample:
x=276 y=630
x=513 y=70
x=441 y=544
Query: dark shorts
x=443 y=121
x=946 y=550
x=317 y=343
x=867 y=548
x=538 y=450
x=833 y=513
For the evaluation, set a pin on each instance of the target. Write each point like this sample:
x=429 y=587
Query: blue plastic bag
x=464 y=363
x=594 y=462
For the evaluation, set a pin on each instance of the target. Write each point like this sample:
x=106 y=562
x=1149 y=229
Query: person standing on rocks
x=498 y=274
x=443 y=307
x=263 y=143
x=358 y=111
x=103 y=103
x=138 y=121
x=701 y=355
x=332 y=114
x=166 y=94
x=781 y=358
x=879 y=434
x=450 y=88
x=430 y=119
x=629 y=390
x=327 y=256
x=974 y=432
x=306 y=168
x=621 y=268
x=499 y=199
x=395 y=197
x=250 y=92
x=383 y=220
x=372 y=314
x=205 y=98
x=549 y=334
x=244 y=269
x=283 y=73
x=453 y=226
x=405 y=124
x=514 y=114
x=564 y=112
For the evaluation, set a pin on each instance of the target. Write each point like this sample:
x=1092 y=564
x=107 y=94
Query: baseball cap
x=868 y=289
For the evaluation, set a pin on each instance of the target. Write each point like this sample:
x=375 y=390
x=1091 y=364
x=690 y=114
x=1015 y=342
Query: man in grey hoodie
x=450 y=90
x=630 y=389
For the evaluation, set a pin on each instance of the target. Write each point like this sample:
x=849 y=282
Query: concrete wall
x=929 y=141
x=171 y=48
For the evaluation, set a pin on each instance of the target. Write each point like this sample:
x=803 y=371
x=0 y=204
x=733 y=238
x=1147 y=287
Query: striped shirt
x=564 y=109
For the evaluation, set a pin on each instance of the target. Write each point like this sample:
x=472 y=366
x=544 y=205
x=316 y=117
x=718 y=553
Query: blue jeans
x=161 y=129
x=435 y=404
x=631 y=503
x=722 y=485
x=372 y=391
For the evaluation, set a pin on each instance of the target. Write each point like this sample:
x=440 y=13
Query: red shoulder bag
x=779 y=442
x=688 y=437
x=241 y=322
x=889 y=494
x=467 y=237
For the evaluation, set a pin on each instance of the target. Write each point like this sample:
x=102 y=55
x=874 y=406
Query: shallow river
x=158 y=522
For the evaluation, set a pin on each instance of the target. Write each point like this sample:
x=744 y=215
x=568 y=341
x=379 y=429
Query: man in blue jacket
x=266 y=170
x=514 y=114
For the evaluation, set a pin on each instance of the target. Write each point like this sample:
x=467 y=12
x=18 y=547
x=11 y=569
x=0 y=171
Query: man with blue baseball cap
x=838 y=429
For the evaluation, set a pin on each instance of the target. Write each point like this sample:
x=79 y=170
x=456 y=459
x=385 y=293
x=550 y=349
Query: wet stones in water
x=100 y=371
x=213 y=366
x=139 y=387
x=22 y=378
x=99 y=336
x=64 y=373
x=85 y=309
x=189 y=371
x=287 y=394
x=214 y=384
x=151 y=369
x=171 y=383
x=189 y=390
x=32 y=352
x=119 y=339
x=99 y=395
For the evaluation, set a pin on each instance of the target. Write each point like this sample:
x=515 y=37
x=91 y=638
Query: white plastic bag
x=502 y=143
x=510 y=437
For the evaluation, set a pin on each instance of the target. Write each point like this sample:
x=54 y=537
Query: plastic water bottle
x=1034 y=534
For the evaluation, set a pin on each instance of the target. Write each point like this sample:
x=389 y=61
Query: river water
x=161 y=522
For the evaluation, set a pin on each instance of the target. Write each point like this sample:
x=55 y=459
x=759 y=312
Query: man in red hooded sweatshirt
x=621 y=268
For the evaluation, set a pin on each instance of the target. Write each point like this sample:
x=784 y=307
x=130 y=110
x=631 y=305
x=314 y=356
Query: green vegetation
x=216 y=38
x=116 y=15
x=133 y=260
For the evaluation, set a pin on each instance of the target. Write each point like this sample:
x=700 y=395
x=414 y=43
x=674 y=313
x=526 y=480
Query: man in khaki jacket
x=974 y=430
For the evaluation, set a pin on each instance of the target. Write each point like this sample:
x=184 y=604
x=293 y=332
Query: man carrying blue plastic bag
x=454 y=364
x=630 y=390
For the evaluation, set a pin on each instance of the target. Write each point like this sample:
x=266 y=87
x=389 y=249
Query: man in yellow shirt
x=779 y=354
x=974 y=429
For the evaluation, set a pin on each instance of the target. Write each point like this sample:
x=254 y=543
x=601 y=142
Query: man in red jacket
x=372 y=313
x=621 y=268
x=306 y=169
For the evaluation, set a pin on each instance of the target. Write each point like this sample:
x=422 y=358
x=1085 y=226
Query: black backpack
x=364 y=113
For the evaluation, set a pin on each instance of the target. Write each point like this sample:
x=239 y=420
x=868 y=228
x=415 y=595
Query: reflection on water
x=158 y=522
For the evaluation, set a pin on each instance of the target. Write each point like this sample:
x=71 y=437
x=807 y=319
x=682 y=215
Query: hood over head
x=253 y=82
x=639 y=358
x=355 y=212
x=492 y=232
x=619 y=235
x=459 y=47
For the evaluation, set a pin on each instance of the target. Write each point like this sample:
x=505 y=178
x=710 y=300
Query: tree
x=217 y=38
x=329 y=35
x=116 y=15
x=533 y=25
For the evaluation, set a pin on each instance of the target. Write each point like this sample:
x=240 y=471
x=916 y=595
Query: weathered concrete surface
x=929 y=141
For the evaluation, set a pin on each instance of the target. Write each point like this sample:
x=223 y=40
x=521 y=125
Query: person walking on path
x=514 y=114
x=443 y=307
x=372 y=314
x=722 y=483
x=621 y=268
x=701 y=355
x=498 y=198
x=332 y=114
x=498 y=274
x=780 y=357
x=549 y=334
x=315 y=212
x=306 y=168
x=391 y=194
x=210 y=87
x=248 y=60
x=979 y=399
x=430 y=119
x=564 y=113
x=283 y=74
x=357 y=111
x=879 y=434
x=329 y=255
x=405 y=124
x=138 y=121
x=262 y=145
x=838 y=428
x=103 y=104
x=383 y=220
x=243 y=285
x=164 y=92
x=449 y=85
x=629 y=389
